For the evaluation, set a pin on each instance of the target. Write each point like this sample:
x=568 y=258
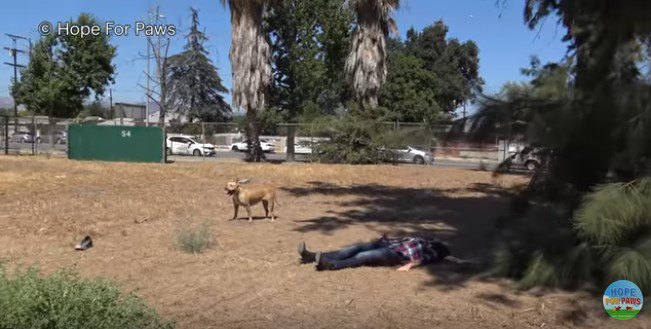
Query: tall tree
x=195 y=85
x=308 y=41
x=430 y=76
x=297 y=65
x=65 y=70
x=593 y=116
x=366 y=62
x=410 y=93
x=250 y=57
x=456 y=64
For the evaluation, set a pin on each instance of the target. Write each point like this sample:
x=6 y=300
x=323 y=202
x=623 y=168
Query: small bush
x=64 y=300
x=351 y=140
x=195 y=240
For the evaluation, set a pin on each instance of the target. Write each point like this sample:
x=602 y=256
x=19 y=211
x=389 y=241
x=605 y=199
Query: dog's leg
x=265 y=204
x=248 y=210
x=273 y=202
x=236 y=207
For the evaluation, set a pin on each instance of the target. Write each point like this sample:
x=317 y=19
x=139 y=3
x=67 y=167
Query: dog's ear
x=237 y=180
x=244 y=181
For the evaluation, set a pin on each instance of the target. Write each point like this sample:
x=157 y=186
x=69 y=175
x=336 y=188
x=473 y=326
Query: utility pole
x=14 y=53
x=111 y=111
x=148 y=75
x=464 y=109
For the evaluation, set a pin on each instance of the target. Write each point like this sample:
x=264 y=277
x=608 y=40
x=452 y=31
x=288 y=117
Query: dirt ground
x=252 y=277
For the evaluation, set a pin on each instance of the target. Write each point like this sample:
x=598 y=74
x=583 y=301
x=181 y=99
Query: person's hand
x=405 y=267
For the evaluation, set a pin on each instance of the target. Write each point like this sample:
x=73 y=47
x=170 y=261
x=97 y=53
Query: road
x=15 y=146
x=277 y=157
x=280 y=157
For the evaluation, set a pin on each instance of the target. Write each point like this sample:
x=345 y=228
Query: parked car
x=60 y=137
x=303 y=147
x=183 y=145
x=531 y=159
x=24 y=136
x=243 y=146
x=412 y=154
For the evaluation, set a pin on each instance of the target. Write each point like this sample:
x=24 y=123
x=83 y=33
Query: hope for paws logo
x=623 y=300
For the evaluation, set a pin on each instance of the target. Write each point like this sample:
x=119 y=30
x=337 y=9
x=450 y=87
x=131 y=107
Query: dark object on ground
x=85 y=244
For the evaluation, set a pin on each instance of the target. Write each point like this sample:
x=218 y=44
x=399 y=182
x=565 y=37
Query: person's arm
x=409 y=266
x=415 y=253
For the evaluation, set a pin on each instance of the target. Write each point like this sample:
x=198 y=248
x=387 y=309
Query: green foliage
x=420 y=136
x=268 y=122
x=195 y=240
x=64 y=70
x=351 y=140
x=195 y=86
x=94 y=109
x=617 y=218
x=357 y=139
x=410 y=92
x=615 y=211
x=309 y=40
x=65 y=300
x=430 y=76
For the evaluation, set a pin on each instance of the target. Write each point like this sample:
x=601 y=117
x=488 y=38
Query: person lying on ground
x=410 y=251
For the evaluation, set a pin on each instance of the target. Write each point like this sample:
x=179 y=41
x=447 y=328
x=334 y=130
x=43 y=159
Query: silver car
x=23 y=137
x=411 y=154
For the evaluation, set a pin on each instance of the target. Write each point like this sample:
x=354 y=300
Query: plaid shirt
x=412 y=248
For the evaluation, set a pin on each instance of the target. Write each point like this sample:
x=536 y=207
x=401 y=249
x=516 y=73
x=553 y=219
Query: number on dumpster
x=126 y=134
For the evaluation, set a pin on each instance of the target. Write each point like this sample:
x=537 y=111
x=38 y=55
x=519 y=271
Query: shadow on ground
x=465 y=223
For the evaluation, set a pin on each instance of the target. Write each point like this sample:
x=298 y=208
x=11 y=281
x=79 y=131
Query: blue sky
x=505 y=43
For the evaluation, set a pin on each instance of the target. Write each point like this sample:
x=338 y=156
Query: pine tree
x=196 y=88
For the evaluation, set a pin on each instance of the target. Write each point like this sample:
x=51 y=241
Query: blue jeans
x=363 y=254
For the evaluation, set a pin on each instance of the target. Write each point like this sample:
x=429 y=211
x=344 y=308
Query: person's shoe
x=322 y=263
x=306 y=256
x=85 y=244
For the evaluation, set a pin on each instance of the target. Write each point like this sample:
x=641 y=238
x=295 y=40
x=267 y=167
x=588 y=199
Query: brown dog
x=251 y=195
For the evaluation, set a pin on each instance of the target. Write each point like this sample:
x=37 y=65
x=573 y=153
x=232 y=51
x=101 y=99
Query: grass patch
x=623 y=314
x=195 y=240
x=64 y=300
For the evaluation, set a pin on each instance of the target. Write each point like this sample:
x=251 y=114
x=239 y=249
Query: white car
x=182 y=145
x=303 y=147
x=243 y=146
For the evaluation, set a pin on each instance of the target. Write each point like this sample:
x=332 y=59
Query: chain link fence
x=44 y=135
x=34 y=135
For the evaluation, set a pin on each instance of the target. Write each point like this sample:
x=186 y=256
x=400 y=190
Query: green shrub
x=608 y=240
x=350 y=140
x=195 y=240
x=64 y=300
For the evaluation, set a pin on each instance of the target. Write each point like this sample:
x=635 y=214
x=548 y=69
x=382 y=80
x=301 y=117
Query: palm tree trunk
x=254 y=152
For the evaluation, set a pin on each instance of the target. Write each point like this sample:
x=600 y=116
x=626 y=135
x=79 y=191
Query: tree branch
x=151 y=91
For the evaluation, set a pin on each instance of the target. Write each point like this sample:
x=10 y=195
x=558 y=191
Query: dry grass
x=251 y=278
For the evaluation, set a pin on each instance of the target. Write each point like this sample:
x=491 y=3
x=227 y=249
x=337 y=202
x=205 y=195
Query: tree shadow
x=464 y=221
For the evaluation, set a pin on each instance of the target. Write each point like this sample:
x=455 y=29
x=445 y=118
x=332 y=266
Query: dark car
x=531 y=158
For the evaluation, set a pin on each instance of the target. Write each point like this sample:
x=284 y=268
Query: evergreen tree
x=195 y=86
x=585 y=218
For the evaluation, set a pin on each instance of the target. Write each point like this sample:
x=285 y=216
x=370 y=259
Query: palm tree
x=250 y=57
x=366 y=64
